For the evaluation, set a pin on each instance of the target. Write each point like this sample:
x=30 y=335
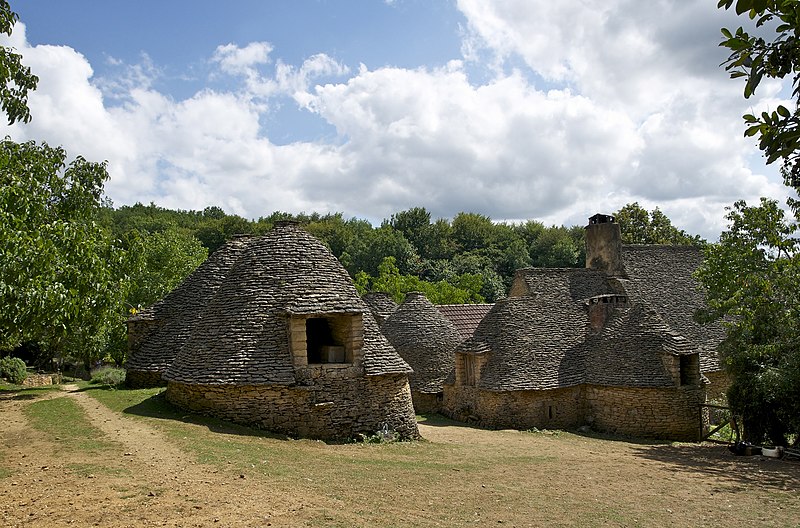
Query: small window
x=690 y=369
x=321 y=346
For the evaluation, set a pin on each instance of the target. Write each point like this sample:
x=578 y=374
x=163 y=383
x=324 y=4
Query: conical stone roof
x=244 y=336
x=177 y=314
x=425 y=339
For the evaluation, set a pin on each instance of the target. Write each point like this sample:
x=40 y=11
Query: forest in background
x=469 y=259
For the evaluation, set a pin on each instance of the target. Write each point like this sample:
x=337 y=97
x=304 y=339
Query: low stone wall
x=326 y=407
x=425 y=403
x=142 y=379
x=670 y=413
x=41 y=380
x=718 y=385
x=553 y=409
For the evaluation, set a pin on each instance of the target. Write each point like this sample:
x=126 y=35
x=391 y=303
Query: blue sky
x=520 y=109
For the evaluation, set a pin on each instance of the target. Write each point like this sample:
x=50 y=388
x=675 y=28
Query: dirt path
x=143 y=478
x=148 y=481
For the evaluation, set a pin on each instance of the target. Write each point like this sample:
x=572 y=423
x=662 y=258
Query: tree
x=61 y=278
x=15 y=79
x=638 y=226
x=753 y=58
x=752 y=279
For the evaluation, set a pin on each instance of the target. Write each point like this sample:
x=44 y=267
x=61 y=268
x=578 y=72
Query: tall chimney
x=604 y=245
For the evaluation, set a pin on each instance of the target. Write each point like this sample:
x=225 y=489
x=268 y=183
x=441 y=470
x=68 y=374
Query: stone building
x=287 y=344
x=613 y=346
x=157 y=333
x=381 y=305
x=426 y=340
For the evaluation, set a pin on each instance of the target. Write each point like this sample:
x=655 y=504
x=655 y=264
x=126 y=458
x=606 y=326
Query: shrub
x=108 y=376
x=13 y=369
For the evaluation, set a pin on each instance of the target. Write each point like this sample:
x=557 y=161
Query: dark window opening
x=550 y=412
x=689 y=368
x=320 y=343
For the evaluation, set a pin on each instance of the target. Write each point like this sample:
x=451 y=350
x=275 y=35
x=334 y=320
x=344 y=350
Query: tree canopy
x=753 y=58
x=752 y=277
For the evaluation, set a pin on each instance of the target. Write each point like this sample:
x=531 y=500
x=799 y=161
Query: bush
x=108 y=376
x=13 y=369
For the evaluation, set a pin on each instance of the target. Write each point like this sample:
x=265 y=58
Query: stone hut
x=586 y=346
x=426 y=340
x=157 y=333
x=381 y=305
x=287 y=344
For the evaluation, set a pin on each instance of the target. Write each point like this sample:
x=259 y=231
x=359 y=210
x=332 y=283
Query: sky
x=515 y=109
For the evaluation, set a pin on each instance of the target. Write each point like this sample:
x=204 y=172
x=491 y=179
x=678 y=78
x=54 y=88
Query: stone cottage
x=606 y=346
x=157 y=333
x=287 y=344
x=381 y=305
x=426 y=340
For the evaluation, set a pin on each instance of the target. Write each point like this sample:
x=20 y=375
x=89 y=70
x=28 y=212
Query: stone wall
x=41 y=380
x=552 y=409
x=425 y=403
x=718 y=383
x=670 y=413
x=141 y=379
x=327 y=403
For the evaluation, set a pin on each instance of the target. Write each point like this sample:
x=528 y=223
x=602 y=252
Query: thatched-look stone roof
x=629 y=350
x=662 y=277
x=543 y=338
x=425 y=339
x=244 y=336
x=381 y=305
x=180 y=311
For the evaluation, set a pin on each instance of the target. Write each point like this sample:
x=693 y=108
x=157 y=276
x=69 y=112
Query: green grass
x=64 y=421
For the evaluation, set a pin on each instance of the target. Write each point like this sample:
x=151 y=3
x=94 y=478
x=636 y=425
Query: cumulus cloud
x=612 y=103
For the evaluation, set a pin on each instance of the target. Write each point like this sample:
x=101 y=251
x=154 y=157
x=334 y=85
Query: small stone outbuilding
x=381 y=305
x=287 y=344
x=612 y=346
x=157 y=333
x=427 y=341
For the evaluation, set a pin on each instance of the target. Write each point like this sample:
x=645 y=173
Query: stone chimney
x=604 y=245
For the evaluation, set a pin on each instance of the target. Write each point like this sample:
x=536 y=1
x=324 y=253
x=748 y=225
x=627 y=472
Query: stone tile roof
x=465 y=317
x=541 y=339
x=662 y=277
x=532 y=342
x=424 y=338
x=565 y=283
x=180 y=310
x=381 y=305
x=243 y=338
x=629 y=349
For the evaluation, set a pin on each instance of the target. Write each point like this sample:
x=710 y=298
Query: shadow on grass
x=18 y=392
x=716 y=461
x=158 y=407
x=438 y=420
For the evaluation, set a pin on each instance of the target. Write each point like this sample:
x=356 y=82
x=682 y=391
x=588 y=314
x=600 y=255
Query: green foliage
x=752 y=279
x=753 y=58
x=639 y=226
x=65 y=422
x=13 y=369
x=462 y=290
x=111 y=376
x=16 y=80
x=61 y=277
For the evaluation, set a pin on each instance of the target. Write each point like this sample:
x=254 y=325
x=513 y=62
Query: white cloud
x=635 y=108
